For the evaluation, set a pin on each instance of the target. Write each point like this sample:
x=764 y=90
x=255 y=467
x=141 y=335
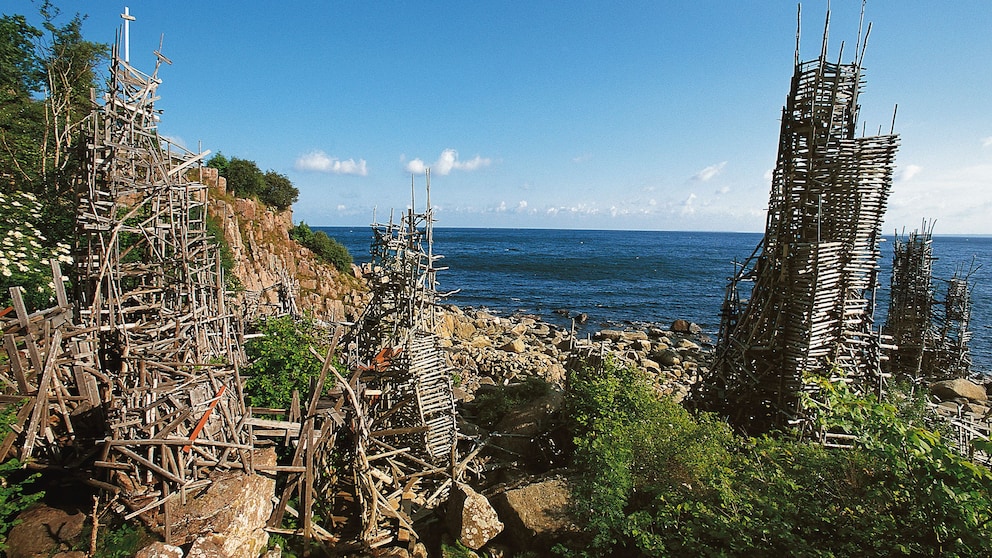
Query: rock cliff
x=265 y=258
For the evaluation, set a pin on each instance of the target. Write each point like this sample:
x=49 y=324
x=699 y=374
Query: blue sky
x=597 y=115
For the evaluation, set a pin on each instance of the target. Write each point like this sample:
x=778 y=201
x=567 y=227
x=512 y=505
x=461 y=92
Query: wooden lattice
x=814 y=273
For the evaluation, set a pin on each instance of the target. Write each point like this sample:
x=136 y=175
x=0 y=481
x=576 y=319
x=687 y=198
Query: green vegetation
x=45 y=80
x=324 y=247
x=14 y=484
x=119 y=539
x=653 y=480
x=246 y=180
x=281 y=361
x=494 y=403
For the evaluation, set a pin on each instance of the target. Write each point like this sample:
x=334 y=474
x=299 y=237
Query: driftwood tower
x=814 y=272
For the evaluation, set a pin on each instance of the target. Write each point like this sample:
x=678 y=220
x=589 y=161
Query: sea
x=626 y=279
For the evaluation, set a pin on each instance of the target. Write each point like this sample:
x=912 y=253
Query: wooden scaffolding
x=138 y=376
x=814 y=272
x=930 y=335
x=911 y=303
x=401 y=406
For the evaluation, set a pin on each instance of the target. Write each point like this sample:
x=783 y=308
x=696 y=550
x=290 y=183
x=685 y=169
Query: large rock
x=44 y=531
x=228 y=518
x=515 y=346
x=471 y=519
x=954 y=389
x=160 y=550
x=535 y=515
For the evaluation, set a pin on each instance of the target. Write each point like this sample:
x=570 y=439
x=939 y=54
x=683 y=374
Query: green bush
x=246 y=180
x=26 y=253
x=493 y=404
x=653 y=480
x=324 y=247
x=281 y=361
x=279 y=191
x=14 y=485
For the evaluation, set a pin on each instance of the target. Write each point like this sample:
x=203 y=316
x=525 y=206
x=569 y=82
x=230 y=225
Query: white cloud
x=581 y=158
x=687 y=207
x=908 y=172
x=416 y=166
x=723 y=190
x=987 y=141
x=448 y=161
x=522 y=205
x=709 y=172
x=318 y=161
x=341 y=207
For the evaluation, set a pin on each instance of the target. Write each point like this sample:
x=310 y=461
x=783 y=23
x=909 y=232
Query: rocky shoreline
x=486 y=349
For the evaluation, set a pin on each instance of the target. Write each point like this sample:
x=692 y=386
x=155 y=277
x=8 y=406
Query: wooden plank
x=41 y=405
x=16 y=365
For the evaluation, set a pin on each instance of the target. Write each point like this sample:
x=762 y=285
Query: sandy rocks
x=228 y=518
x=43 y=531
x=471 y=519
x=536 y=515
x=959 y=388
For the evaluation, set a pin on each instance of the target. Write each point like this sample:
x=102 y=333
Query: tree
x=219 y=162
x=70 y=65
x=21 y=117
x=279 y=191
x=39 y=137
x=244 y=178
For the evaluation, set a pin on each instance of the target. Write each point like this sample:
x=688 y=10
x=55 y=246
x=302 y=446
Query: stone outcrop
x=228 y=518
x=535 y=514
x=960 y=388
x=471 y=519
x=264 y=256
x=44 y=531
x=160 y=550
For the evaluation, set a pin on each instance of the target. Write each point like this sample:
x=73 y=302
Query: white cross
x=128 y=18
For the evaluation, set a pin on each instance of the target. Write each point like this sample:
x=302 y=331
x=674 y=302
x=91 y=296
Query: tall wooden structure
x=814 y=272
x=930 y=335
x=911 y=304
x=136 y=379
x=403 y=412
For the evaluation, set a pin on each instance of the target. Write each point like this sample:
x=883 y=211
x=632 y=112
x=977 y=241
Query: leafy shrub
x=324 y=247
x=279 y=192
x=653 y=480
x=25 y=253
x=246 y=180
x=219 y=162
x=281 y=361
x=14 y=485
x=493 y=404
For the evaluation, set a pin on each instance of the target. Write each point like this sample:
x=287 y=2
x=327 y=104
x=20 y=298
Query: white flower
x=6 y=272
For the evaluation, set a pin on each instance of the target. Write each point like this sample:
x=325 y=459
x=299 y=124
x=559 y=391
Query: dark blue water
x=621 y=278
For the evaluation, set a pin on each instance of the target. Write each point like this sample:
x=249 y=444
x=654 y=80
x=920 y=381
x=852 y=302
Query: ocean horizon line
x=694 y=231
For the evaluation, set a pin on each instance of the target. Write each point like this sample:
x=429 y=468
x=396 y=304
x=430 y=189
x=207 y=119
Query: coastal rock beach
x=486 y=349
